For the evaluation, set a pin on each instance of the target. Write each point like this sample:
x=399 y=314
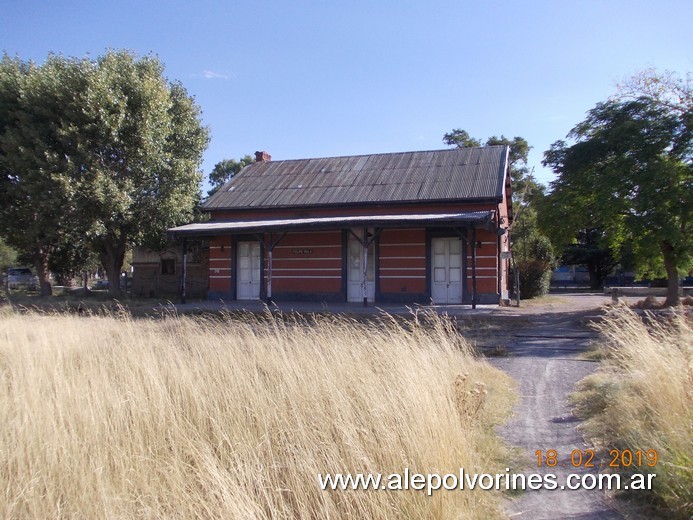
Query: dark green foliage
x=224 y=170
x=95 y=156
x=533 y=256
x=587 y=251
x=630 y=173
x=8 y=256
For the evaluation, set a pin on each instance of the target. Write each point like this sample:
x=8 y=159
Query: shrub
x=533 y=257
x=535 y=278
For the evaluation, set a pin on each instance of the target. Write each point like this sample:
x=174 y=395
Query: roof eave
x=478 y=200
x=216 y=228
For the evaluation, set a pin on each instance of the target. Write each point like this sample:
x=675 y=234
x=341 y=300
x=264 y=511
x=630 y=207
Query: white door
x=355 y=272
x=248 y=271
x=446 y=267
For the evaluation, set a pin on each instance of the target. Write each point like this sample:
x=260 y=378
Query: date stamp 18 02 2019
x=586 y=459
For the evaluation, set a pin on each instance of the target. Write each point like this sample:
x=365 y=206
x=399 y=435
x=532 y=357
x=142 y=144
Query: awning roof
x=464 y=219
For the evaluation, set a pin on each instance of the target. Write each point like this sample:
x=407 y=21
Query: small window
x=168 y=266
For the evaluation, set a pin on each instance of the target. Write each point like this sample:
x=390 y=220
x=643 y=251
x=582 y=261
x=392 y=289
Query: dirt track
x=544 y=359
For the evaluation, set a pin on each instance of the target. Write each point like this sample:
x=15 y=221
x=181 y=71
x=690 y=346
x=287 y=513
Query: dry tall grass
x=642 y=398
x=193 y=418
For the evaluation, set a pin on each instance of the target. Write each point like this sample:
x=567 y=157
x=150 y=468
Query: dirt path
x=544 y=359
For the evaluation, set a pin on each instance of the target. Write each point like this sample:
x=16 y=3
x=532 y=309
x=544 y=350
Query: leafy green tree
x=588 y=250
x=37 y=157
x=105 y=150
x=631 y=166
x=8 y=256
x=533 y=255
x=145 y=144
x=225 y=169
x=460 y=139
x=587 y=242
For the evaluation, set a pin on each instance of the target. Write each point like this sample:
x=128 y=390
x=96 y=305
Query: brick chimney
x=262 y=157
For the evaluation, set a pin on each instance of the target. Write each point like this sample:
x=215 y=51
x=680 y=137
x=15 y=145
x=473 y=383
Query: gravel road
x=544 y=359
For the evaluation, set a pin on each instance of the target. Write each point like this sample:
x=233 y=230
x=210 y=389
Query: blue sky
x=305 y=78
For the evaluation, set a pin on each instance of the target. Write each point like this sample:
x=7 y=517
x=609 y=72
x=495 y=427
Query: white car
x=21 y=278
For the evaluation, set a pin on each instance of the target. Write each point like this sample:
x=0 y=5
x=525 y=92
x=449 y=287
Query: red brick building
x=397 y=227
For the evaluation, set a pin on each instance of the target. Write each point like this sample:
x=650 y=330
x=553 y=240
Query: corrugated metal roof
x=439 y=175
x=283 y=224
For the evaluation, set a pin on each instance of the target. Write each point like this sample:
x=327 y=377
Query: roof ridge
x=438 y=150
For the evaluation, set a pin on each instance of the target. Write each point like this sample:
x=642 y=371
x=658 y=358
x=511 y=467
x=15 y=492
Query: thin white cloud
x=210 y=74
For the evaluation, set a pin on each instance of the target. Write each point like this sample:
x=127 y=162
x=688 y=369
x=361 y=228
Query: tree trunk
x=43 y=274
x=596 y=280
x=669 y=255
x=112 y=256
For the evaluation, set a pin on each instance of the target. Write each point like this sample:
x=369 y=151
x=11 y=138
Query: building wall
x=220 y=268
x=310 y=265
x=151 y=280
x=505 y=217
x=486 y=267
x=402 y=265
x=307 y=265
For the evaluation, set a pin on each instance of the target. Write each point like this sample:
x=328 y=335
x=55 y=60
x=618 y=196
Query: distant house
x=395 y=227
x=159 y=273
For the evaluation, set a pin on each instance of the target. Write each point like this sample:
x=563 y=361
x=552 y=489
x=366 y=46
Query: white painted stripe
x=306 y=277
x=383 y=257
x=304 y=246
x=304 y=258
x=293 y=269
x=402 y=277
x=216 y=269
x=402 y=268
x=422 y=244
x=221 y=277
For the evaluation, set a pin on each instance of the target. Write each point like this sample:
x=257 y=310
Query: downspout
x=184 y=274
x=270 y=250
x=269 y=271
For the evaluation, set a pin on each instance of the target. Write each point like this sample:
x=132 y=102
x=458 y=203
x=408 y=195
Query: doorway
x=446 y=270
x=355 y=271
x=248 y=272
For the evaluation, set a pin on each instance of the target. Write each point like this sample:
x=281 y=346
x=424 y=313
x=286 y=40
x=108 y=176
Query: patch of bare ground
x=544 y=358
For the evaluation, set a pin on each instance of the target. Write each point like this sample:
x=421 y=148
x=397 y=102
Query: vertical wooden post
x=474 y=268
x=364 y=282
x=184 y=274
x=269 y=270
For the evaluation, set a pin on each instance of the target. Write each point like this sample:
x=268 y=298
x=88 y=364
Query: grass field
x=642 y=399
x=222 y=418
